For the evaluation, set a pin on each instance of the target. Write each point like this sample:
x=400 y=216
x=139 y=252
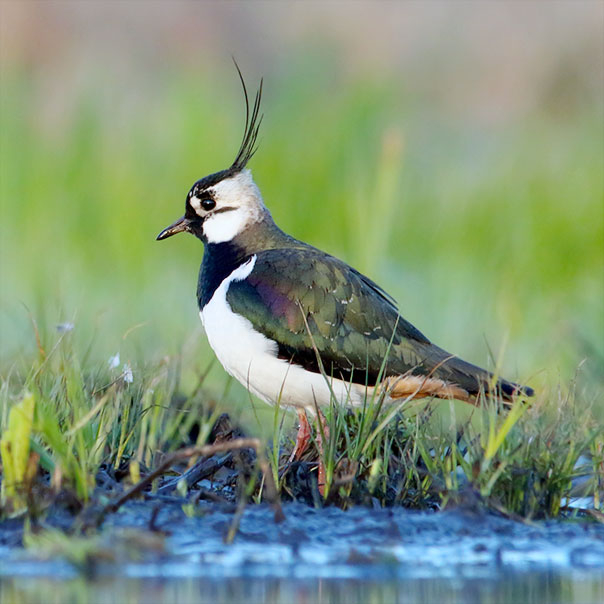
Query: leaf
x=14 y=449
x=497 y=438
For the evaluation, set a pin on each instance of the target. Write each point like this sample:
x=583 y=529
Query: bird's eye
x=208 y=204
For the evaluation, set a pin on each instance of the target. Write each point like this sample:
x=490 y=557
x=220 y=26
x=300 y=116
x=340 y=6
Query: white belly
x=251 y=358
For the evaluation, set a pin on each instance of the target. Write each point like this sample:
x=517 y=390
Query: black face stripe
x=224 y=209
x=201 y=193
x=190 y=212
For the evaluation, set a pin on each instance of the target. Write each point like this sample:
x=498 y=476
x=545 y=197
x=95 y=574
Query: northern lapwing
x=297 y=326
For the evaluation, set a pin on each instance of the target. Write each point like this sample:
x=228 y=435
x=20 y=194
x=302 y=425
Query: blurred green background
x=452 y=151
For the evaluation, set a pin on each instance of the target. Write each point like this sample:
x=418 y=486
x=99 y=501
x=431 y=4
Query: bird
x=299 y=327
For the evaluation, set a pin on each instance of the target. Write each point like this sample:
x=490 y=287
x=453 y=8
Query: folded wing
x=311 y=303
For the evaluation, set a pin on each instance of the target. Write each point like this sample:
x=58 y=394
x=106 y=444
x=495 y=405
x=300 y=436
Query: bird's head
x=220 y=206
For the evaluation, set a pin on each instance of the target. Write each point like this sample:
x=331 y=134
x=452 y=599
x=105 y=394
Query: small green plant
x=75 y=420
x=521 y=462
x=15 y=451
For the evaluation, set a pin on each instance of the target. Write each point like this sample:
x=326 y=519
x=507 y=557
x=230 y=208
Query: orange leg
x=322 y=432
x=303 y=436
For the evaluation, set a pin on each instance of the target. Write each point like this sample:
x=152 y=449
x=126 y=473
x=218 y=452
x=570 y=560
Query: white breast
x=251 y=358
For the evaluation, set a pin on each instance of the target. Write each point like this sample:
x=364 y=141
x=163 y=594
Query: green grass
x=84 y=418
x=521 y=462
x=491 y=240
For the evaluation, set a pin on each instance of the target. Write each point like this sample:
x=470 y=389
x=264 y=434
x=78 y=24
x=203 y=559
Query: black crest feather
x=252 y=126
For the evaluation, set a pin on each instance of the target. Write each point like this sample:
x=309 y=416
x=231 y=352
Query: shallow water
x=327 y=555
x=513 y=588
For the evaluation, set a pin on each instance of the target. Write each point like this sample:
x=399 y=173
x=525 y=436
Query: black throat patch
x=219 y=261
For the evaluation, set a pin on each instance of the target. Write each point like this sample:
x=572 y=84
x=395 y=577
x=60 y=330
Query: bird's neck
x=221 y=259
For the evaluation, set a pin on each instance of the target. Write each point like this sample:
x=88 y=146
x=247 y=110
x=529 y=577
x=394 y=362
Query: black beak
x=182 y=224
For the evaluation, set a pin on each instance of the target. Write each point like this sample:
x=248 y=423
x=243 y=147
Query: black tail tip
x=527 y=391
x=512 y=390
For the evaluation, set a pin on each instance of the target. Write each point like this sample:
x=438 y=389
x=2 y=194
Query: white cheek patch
x=224 y=226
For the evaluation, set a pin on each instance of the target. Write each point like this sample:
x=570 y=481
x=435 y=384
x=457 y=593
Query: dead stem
x=204 y=451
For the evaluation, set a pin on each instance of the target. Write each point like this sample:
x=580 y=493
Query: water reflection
x=365 y=556
x=573 y=587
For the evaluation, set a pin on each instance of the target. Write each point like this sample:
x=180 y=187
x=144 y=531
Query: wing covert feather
x=294 y=291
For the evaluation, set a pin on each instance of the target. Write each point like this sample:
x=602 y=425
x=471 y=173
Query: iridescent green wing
x=302 y=298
